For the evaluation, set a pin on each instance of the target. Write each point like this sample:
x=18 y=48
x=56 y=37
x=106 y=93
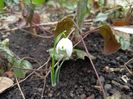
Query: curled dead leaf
x=64 y=25
x=111 y=44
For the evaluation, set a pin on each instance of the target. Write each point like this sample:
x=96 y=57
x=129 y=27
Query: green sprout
x=63 y=51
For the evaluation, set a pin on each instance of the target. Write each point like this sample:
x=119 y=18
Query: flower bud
x=64 y=47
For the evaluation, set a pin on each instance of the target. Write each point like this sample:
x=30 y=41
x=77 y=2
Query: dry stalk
x=125 y=65
x=20 y=88
x=88 y=54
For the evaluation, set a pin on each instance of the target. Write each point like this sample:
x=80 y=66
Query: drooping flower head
x=64 y=47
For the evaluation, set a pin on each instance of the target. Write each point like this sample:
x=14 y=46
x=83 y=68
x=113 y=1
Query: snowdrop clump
x=64 y=47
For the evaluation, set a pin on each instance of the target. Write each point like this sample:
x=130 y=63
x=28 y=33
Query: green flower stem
x=52 y=70
x=57 y=72
x=54 y=78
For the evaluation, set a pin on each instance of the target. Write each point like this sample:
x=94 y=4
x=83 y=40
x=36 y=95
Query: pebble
x=108 y=86
x=76 y=86
x=50 y=94
x=71 y=94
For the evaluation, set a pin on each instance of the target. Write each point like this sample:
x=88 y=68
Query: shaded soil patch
x=77 y=78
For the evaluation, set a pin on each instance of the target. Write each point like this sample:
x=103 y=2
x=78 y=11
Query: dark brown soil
x=77 y=78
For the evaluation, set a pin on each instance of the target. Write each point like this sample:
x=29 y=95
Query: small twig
x=31 y=59
x=36 y=25
x=45 y=77
x=129 y=61
x=45 y=37
x=20 y=68
x=42 y=96
x=71 y=32
x=88 y=55
x=24 y=68
x=86 y=34
x=20 y=88
x=125 y=65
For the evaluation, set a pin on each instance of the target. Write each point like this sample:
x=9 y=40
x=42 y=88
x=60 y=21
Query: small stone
x=71 y=94
x=125 y=78
x=76 y=86
x=108 y=86
x=50 y=94
x=118 y=58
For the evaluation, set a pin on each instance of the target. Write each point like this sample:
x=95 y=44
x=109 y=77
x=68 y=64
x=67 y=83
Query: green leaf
x=125 y=44
x=26 y=64
x=123 y=38
x=20 y=66
x=58 y=38
x=56 y=56
x=101 y=17
x=82 y=11
x=77 y=54
x=18 y=71
x=57 y=73
x=1 y=4
x=5 y=43
x=38 y=2
x=124 y=35
x=80 y=54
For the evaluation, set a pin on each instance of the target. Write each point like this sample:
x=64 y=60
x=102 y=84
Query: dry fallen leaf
x=5 y=83
x=119 y=23
x=125 y=29
x=111 y=44
x=64 y=25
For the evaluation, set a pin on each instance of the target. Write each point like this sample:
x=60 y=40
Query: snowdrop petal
x=69 y=47
x=65 y=45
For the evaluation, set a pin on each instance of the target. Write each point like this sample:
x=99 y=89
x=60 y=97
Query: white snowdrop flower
x=64 y=47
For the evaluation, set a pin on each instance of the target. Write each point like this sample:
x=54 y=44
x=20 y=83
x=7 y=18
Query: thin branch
x=88 y=54
x=45 y=37
x=36 y=25
x=125 y=65
x=33 y=72
x=86 y=34
x=42 y=96
x=20 y=88
x=45 y=77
